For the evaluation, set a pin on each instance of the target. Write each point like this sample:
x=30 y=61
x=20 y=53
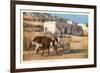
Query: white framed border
x=61 y=62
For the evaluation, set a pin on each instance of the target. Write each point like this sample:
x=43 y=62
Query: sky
x=73 y=17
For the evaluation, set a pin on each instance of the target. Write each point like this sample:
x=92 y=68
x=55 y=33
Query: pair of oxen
x=43 y=43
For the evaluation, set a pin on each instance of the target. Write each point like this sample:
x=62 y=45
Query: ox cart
x=64 y=43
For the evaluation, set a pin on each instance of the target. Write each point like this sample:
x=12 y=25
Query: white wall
x=5 y=36
x=51 y=26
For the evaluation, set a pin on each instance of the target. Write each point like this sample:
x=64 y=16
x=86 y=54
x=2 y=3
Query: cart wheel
x=67 y=48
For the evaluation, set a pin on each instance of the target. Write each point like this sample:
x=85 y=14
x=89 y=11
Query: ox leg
x=48 y=52
x=42 y=52
x=55 y=49
x=38 y=48
x=37 y=51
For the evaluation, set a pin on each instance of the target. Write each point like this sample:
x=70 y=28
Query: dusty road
x=72 y=54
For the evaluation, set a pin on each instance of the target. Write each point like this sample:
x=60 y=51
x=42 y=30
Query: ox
x=44 y=43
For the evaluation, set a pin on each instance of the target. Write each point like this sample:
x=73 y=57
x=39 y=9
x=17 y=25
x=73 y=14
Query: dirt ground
x=73 y=54
x=78 y=50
